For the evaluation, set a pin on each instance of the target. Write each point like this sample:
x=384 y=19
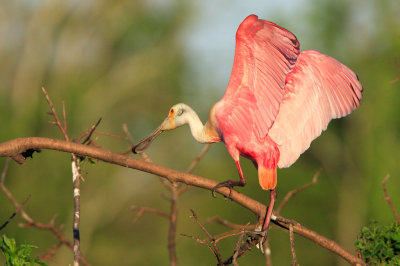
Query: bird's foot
x=229 y=184
x=257 y=238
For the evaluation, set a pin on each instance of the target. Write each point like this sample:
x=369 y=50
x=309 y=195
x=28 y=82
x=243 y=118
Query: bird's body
x=277 y=101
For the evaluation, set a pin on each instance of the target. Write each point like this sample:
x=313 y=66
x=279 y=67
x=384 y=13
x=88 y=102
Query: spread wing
x=264 y=54
x=318 y=89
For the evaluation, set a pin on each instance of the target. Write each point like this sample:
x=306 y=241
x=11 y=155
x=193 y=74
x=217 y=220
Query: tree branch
x=15 y=212
x=388 y=199
x=31 y=222
x=211 y=239
x=14 y=149
x=291 y=237
x=293 y=192
x=76 y=176
x=142 y=210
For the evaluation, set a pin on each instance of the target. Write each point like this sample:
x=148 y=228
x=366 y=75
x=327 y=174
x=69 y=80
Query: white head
x=178 y=115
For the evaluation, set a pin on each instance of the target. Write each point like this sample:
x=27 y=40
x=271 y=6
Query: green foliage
x=380 y=244
x=18 y=255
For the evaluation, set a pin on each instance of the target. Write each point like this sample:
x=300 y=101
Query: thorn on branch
x=88 y=133
x=54 y=114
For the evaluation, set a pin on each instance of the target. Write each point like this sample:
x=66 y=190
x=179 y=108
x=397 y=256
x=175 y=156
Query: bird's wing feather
x=264 y=54
x=318 y=89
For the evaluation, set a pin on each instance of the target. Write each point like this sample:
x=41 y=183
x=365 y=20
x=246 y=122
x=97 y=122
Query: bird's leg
x=272 y=194
x=231 y=183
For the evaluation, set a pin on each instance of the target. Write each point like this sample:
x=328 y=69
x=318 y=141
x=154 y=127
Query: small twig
x=291 y=237
x=172 y=224
x=388 y=199
x=194 y=164
x=243 y=248
x=142 y=210
x=50 y=252
x=204 y=242
x=210 y=238
x=64 y=116
x=237 y=246
x=228 y=234
x=267 y=253
x=293 y=192
x=5 y=169
x=226 y=223
x=198 y=158
x=54 y=114
x=397 y=79
x=15 y=212
x=88 y=133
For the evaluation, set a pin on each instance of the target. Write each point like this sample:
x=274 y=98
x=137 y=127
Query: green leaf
x=18 y=255
x=379 y=244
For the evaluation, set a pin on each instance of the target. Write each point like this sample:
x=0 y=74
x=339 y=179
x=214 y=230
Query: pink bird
x=277 y=101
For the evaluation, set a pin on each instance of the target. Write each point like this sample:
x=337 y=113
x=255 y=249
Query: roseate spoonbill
x=277 y=101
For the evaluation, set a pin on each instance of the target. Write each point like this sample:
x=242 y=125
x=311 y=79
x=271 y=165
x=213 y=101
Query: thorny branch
x=76 y=172
x=14 y=149
x=30 y=222
x=211 y=239
x=388 y=199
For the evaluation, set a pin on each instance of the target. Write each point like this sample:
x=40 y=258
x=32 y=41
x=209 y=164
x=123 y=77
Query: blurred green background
x=128 y=62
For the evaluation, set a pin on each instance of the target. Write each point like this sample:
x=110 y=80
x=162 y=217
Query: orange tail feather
x=267 y=178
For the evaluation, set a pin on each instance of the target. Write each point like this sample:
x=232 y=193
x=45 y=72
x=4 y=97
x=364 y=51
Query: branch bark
x=14 y=149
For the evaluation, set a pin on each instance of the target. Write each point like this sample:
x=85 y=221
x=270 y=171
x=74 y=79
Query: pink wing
x=317 y=90
x=264 y=54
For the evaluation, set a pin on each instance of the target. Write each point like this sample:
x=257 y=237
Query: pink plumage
x=278 y=100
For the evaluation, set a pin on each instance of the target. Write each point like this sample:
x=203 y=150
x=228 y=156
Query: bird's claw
x=223 y=184
x=259 y=236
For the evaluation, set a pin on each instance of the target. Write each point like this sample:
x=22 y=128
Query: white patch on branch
x=75 y=171
x=77 y=192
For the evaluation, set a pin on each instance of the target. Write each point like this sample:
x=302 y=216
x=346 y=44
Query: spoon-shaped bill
x=144 y=144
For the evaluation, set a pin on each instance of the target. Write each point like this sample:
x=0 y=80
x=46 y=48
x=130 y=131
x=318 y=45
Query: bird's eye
x=171 y=111
x=180 y=112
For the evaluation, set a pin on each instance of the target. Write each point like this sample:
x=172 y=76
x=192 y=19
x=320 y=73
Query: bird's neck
x=202 y=133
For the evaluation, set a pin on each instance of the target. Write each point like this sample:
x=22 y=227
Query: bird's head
x=177 y=116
